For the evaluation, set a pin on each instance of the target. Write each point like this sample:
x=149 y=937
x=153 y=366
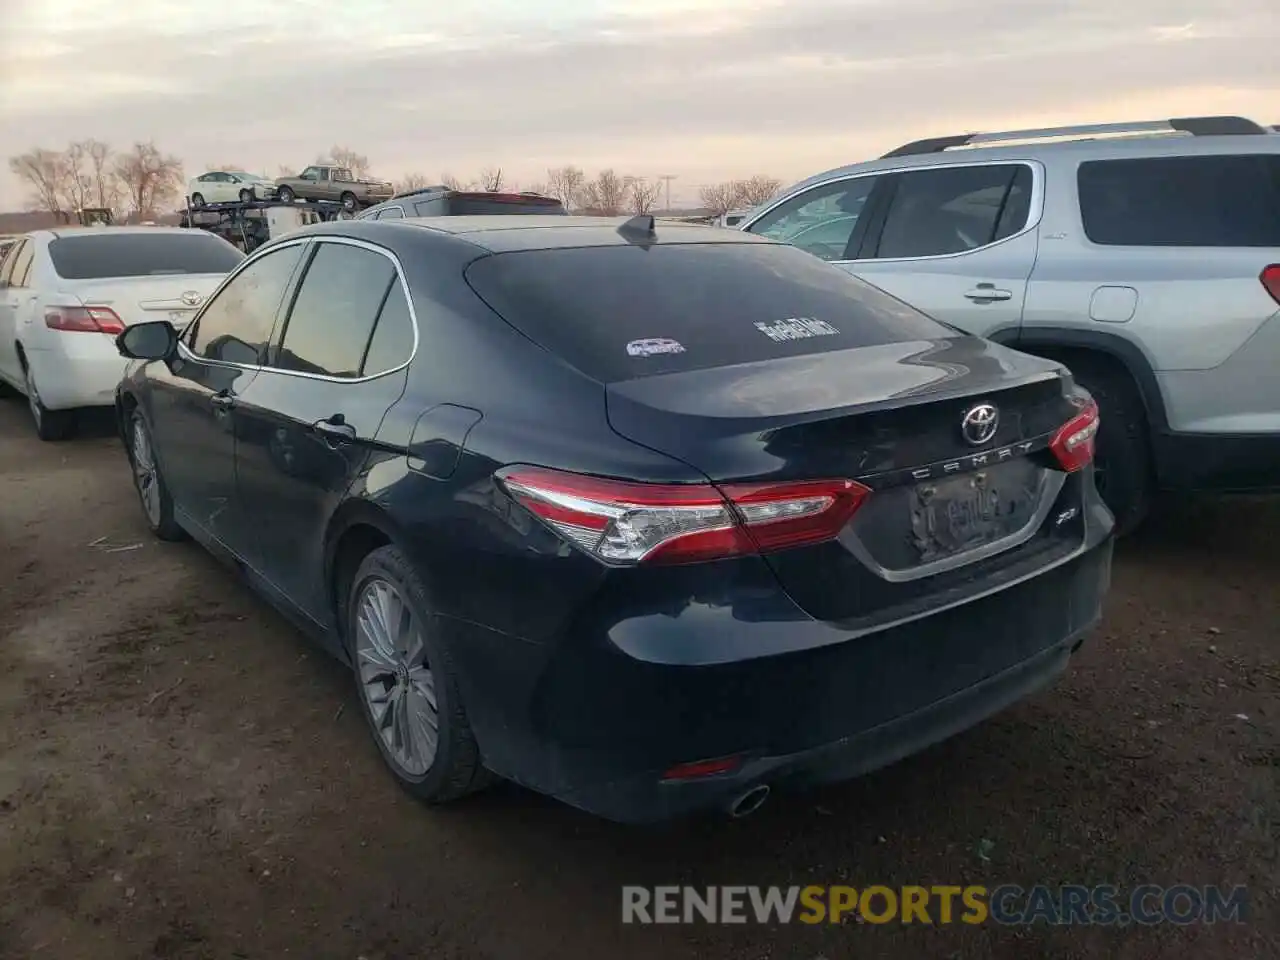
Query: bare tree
x=106 y=185
x=753 y=192
x=412 y=181
x=450 y=182
x=719 y=198
x=565 y=184
x=286 y=170
x=606 y=194
x=642 y=195
x=77 y=182
x=491 y=179
x=150 y=177
x=44 y=172
x=357 y=163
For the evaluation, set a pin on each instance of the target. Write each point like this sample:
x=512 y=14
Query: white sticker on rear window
x=797 y=328
x=655 y=345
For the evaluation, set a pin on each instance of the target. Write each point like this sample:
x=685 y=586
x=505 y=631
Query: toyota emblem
x=191 y=298
x=979 y=423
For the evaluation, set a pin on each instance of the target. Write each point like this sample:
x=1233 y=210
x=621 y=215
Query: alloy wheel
x=144 y=473
x=395 y=680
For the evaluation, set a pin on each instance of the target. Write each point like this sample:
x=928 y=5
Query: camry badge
x=979 y=423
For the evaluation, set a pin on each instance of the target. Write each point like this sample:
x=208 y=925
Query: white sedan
x=228 y=186
x=66 y=293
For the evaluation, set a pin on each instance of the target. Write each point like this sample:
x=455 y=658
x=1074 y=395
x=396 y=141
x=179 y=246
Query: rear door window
x=626 y=311
x=106 y=254
x=1204 y=201
x=18 y=264
x=331 y=322
x=954 y=210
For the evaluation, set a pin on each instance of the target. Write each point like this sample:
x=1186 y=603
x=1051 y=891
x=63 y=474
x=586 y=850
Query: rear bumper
x=1223 y=463
x=77 y=370
x=588 y=722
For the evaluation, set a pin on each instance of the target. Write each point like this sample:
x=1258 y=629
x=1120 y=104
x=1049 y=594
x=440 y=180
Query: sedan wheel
x=50 y=424
x=246 y=195
x=153 y=492
x=406 y=680
x=398 y=686
x=144 y=472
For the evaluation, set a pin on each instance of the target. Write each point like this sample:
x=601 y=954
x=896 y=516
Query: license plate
x=958 y=514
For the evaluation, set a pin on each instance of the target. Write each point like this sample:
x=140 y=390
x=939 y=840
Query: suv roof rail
x=1195 y=126
x=436 y=188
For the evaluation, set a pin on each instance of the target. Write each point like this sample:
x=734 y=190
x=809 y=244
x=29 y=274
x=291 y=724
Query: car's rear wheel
x=51 y=425
x=348 y=201
x=197 y=200
x=1122 y=465
x=285 y=195
x=153 y=492
x=406 y=682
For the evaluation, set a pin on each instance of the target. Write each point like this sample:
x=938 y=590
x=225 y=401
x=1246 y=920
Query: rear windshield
x=107 y=254
x=1204 y=201
x=462 y=205
x=622 y=312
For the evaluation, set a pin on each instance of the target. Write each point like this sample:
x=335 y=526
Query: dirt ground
x=183 y=776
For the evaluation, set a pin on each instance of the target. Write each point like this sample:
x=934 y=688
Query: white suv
x=1144 y=256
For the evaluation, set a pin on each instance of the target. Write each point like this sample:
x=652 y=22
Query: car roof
x=504 y=234
x=105 y=230
x=1097 y=148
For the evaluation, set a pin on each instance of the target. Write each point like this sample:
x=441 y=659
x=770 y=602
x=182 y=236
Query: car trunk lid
x=897 y=418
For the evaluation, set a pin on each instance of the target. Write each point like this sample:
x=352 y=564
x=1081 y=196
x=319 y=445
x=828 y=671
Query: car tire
x=51 y=425
x=197 y=200
x=397 y=673
x=148 y=481
x=1123 y=467
x=285 y=195
x=246 y=195
x=348 y=201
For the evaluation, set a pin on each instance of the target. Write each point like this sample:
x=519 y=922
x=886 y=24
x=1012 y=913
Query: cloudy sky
x=704 y=89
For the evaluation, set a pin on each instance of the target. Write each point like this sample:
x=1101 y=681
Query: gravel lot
x=183 y=776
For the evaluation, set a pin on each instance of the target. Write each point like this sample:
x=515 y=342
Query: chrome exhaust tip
x=749 y=802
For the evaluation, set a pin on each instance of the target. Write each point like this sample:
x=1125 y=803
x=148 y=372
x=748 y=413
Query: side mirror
x=156 y=340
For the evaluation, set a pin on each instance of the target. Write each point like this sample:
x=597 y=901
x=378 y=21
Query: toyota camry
x=649 y=517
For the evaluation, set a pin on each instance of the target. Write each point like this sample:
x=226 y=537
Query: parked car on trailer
x=767 y=525
x=229 y=186
x=328 y=182
x=65 y=293
x=1146 y=256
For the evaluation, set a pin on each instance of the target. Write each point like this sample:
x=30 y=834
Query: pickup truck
x=325 y=182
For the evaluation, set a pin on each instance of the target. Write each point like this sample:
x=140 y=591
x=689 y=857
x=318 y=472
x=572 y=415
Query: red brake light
x=629 y=522
x=701 y=768
x=83 y=319
x=1270 y=278
x=1074 y=442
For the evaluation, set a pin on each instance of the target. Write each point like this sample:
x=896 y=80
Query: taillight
x=627 y=522
x=83 y=319
x=1270 y=278
x=1074 y=442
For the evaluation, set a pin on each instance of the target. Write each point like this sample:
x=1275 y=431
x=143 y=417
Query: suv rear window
x=1203 y=201
x=107 y=254
x=621 y=312
x=487 y=204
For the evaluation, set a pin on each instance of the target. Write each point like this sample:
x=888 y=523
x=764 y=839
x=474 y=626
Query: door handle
x=222 y=401
x=335 y=430
x=987 y=293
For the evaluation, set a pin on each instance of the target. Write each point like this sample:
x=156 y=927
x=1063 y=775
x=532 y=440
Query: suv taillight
x=83 y=319
x=1073 y=444
x=625 y=522
x=1270 y=278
